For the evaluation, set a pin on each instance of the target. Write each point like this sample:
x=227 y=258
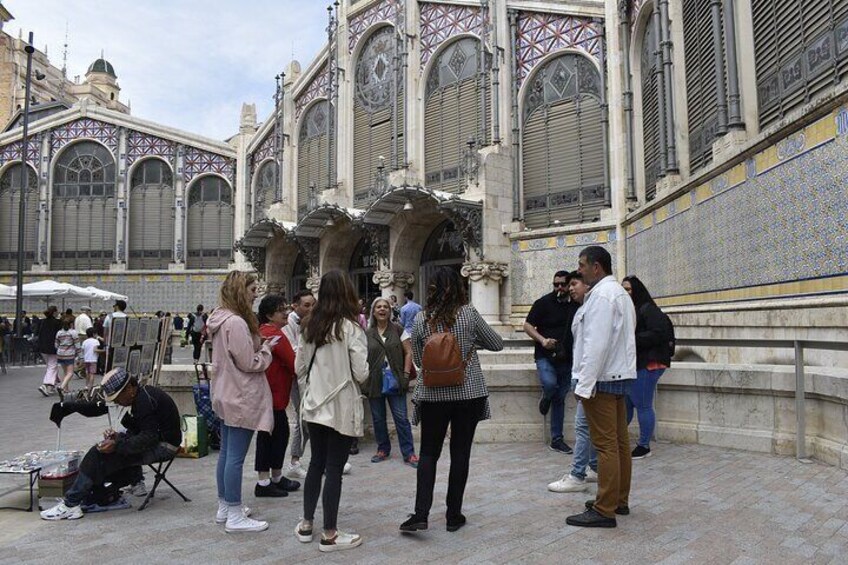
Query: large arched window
x=562 y=144
x=701 y=94
x=444 y=248
x=210 y=224
x=453 y=113
x=83 y=215
x=801 y=50
x=266 y=188
x=372 y=112
x=312 y=152
x=151 y=216
x=10 y=201
x=651 y=130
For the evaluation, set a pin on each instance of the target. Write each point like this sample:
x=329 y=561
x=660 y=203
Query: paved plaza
x=689 y=504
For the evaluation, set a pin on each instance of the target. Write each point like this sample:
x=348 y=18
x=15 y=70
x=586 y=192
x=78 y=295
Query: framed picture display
x=155 y=330
x=120 y=357
x=143 y=328
x=132 y=332
x=148 y=357
x=134 y=363
x=119 y=329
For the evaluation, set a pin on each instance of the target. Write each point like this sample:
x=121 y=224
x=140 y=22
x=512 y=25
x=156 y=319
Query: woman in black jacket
x=47 y=347
x=652 y=359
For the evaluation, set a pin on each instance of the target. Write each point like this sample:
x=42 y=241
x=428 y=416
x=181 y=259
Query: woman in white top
x=331 y=364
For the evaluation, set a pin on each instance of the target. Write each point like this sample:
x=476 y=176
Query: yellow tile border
x=777 y=290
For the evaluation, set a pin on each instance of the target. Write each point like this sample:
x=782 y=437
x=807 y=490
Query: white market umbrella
x=48 y=288
x=100 y=294
x=7 y=292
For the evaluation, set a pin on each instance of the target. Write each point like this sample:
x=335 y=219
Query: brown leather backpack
x=441 y=362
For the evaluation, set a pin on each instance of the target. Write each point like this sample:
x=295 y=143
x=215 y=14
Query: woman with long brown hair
x=461 y=406
x=331 y=364
x=241 y=396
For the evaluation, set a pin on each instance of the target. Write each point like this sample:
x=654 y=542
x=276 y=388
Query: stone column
x=122 y=199
x=485 y=279
x=393 y=282
x=179 y=211
x=42 y=250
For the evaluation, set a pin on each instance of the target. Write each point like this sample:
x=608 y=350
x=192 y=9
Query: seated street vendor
x=152 y=434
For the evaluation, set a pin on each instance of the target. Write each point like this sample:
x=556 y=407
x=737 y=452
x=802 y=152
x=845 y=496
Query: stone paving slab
x=690 y=504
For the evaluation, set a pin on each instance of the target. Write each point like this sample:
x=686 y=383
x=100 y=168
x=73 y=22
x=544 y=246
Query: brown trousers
x=607 y=418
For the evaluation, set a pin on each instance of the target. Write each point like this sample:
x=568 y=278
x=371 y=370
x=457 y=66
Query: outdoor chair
x=160 y=469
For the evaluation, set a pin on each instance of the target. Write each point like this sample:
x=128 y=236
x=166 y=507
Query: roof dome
x=102 y=66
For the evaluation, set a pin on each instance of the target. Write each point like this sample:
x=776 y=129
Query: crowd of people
x=606 y=343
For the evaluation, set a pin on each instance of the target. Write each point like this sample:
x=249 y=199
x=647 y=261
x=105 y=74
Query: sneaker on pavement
x=62 y=512
x=412 y=461
x=340 y=542
x=568 y=483
x=268 y=491
x=640 y=452
x=559 y=445
x=43 y=390
x=591 y=519
x=296 y=471
x=591 y=476
x=139 y=489
x=380 y=456
x=303 y=533
x=346 y=469
x=544 y=405
x=239 y=522
x=224 y=512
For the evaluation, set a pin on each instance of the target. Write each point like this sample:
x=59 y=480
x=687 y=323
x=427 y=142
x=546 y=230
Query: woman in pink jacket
x=241 y=396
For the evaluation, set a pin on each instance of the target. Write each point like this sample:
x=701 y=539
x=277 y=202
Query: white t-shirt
x=82 y=323
x=89 y=350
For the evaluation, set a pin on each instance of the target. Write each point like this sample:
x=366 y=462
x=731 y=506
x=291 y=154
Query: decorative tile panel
x=777 y=218
x=440 y=22
x=316 y=89
x=385 y=11
x=198 y=161
x=140 y=145
x=85 y=128
x=12 y=152
x=539 y=34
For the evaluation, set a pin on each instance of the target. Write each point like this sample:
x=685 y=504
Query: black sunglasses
x=562 y=284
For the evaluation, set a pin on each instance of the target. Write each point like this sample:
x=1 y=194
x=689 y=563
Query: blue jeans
x=234 y=445
x=641 y=397
x=555 y=380
x=584 y=451
x=397 y=404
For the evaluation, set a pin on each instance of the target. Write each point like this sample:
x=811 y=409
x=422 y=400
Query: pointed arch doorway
x=443 y=248
x=362 y=267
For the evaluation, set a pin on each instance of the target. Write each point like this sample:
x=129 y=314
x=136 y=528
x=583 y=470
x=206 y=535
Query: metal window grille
x=312 y=152
x=151 y=216
x=10 y=199
x=266 y=189
x=210 y=224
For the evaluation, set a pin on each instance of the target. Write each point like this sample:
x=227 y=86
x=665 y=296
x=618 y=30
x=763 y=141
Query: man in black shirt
x=549 y=325
x=152 y=434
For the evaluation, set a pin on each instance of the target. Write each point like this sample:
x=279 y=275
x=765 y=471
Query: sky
x=188 y=64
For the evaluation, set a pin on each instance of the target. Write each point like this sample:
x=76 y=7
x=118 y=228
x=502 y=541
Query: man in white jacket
x=604 y=365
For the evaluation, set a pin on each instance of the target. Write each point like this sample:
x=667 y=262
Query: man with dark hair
x=604 y=365
x=196 y=328
x=548 y=325
x=152 y=434
x=408 y=311
x=117 y=312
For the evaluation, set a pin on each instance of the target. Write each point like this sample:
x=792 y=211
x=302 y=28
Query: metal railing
x=798 y=346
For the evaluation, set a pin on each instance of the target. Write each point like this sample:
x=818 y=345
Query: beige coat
x=241 y=396
x=329 y=395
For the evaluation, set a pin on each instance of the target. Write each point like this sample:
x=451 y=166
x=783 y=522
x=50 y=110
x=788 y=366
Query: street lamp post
x=19 y=295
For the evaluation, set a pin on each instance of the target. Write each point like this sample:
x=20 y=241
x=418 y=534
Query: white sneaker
x=591 y=476
x=295 y=471
x=224 y=511
x=340 y=542
x=139 y=489
x=239 y=522
x=62 y=512
x=303 y=534
x=346 y=470
x=568 y=483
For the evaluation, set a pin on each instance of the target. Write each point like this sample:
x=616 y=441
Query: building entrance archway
x=443 y=248
x=300 y=274
x=363 y=264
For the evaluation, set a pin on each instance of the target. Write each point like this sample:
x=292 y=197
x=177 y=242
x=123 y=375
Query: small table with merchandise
x=33 y=464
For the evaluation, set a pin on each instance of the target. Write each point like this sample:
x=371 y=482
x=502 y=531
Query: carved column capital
x=485 y=271
x=392 y=279
x=312 y=283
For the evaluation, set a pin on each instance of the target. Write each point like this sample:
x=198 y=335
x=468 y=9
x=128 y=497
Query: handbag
x=391 y=386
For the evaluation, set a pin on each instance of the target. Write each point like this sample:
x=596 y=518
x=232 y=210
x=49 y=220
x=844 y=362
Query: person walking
x=584 y=465
x=47 y=347
x=653 y=357
x=271 y=447
x=389 y=367
x=240 y=393
x=548 y=324
x=91 y=349
x=196 y=330
x=331 y=365
x=67 y=350
x=83 y=322
x=604 y=366
x=409 y=311
x=461 y=407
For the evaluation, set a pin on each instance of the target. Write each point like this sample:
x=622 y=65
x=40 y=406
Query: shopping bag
x=195 y=442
